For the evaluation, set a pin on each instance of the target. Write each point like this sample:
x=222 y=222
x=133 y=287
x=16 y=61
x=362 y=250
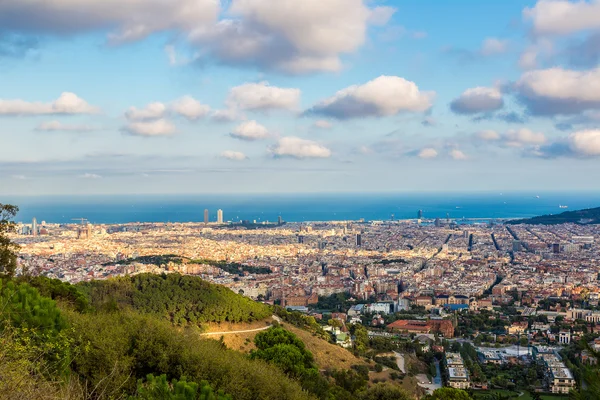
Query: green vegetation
x=448 y=393
x=49 y=351
x=158 y=388
x=181 y=299
x=8 y=250
x=302 y=321
x=232 y=267
x=284 y=349
x=166 y=259
x=485 y=321
x=62 y=292
x=392 y=261
x=588 y=216
x=500 y=394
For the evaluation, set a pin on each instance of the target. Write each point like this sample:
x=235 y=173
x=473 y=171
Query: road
x=437 y=380
x=264 y=328
x=400 y=362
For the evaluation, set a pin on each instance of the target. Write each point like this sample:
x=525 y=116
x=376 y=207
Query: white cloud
x=457 y=154
x=282 y=35
x=383 y=96
x=585 y=143
x=295 y=147
x=262 y=96
x=90 y=176
x=151 y=111
x=523 y=137
x=381 y=15
x=427 y=153
x=561 y=17
x=159 y=127
x=126 y=20
x=542 y=49
x=268 y=34
x=250 y=130
x=186 y=106
x=493 y=46
x=233 y=155
x=57 y=126
x=528 y=59
x=171 y=54
x=323 y=124
x=476 y=100
x=189 y=108
x=559 y=91
x=68 y=104
x=227 y=115
x=488 y=135
x=365 y=150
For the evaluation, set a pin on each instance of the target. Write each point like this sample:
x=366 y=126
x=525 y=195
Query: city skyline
x=245 y=96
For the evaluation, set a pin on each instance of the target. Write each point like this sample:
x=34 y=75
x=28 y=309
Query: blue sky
x=251 y=96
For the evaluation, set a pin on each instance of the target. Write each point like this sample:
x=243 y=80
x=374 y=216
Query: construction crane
x=80 y=219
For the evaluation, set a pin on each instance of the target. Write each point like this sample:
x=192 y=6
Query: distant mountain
x=583 y=217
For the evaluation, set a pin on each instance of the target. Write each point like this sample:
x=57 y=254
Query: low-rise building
x=458 y=376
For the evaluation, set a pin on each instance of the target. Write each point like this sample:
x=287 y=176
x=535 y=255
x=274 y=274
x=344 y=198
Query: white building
x=564 y=337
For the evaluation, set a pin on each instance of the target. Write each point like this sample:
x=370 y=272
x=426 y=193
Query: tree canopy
x=8 y=249
x=180 y=299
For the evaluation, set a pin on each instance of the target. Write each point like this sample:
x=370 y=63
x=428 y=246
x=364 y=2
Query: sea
x=120 y=209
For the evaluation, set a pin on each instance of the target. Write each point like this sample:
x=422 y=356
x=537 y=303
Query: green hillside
x=64 y=348
x=59 y=345
x=587 y=216
x=181 y=299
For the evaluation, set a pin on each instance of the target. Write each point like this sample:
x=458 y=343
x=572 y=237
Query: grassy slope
x=327 y=355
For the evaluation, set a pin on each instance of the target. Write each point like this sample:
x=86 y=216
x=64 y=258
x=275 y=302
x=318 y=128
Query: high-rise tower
x=220 y=216
x=206 y=219
x=34 y=227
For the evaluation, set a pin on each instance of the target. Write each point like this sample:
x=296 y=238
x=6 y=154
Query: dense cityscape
x=417 y=278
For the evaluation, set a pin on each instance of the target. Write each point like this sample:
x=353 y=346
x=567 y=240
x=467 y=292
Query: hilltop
x=584 y=217
x=181 y=299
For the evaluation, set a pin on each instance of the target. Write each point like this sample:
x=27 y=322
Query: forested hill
x=587 y=216
x=66 y=349
x=180 y=299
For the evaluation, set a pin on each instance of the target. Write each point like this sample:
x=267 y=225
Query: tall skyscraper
x=219 y=216
x=358 y=239
x=34 y=227
x=206 y=219
x=420 y=214
x=279 y=220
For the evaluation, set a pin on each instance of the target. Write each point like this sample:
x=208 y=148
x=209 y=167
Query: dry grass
x=327 y=355
x=243 y=342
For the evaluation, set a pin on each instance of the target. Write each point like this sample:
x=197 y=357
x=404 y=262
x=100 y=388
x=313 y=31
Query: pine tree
x=8 y=249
